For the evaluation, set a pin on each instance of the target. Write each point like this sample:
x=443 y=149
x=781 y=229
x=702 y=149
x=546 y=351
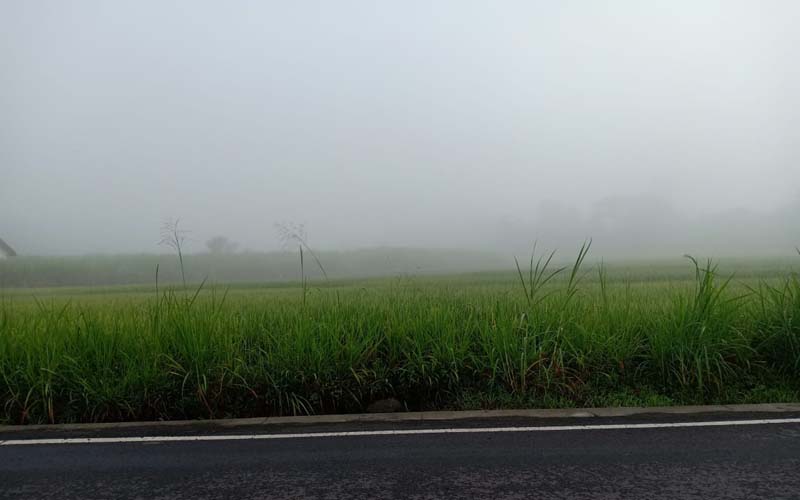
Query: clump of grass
x=778 y=322
x=697 y=342
x=572 y=338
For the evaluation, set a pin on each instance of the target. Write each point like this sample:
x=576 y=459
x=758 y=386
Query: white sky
x=377 y=123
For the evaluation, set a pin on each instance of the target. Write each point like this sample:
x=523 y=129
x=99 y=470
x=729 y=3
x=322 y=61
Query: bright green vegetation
x=588 y=335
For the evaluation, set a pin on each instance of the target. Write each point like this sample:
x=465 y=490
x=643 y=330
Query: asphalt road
x=751 y=461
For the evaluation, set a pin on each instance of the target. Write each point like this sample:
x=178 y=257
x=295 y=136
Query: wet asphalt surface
x=744 y=462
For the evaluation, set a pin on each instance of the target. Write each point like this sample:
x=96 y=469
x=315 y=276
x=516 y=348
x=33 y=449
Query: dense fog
x=654 y=128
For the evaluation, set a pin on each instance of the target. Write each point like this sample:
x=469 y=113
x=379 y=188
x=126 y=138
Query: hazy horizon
x=656 y=130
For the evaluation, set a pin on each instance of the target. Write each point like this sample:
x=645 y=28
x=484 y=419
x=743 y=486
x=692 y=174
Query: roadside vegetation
x=544 y=335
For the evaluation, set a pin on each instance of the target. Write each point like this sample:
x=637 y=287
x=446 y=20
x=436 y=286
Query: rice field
x=540 y=335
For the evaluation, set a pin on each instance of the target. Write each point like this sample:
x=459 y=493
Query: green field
x=245 y=267
x=636 y=333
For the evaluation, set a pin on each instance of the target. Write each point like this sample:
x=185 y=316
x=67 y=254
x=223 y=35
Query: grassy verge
x=539 y=338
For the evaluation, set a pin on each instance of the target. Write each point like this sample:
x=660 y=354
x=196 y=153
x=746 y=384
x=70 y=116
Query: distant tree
x=221 y=245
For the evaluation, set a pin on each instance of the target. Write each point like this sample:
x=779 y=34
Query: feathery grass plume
x=5 y=249
x=174 y=237
x=289 y=232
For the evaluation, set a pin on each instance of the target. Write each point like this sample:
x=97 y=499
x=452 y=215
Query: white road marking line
x=396 y=432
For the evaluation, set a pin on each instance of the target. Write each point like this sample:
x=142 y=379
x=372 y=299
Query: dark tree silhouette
x=220 y=245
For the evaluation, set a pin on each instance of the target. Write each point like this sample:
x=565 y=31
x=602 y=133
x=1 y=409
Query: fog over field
x=654 y=128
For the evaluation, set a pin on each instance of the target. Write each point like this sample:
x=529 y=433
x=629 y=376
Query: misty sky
x=441 y=124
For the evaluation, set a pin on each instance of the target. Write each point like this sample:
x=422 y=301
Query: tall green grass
x=778 y=322
x=547 y=336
